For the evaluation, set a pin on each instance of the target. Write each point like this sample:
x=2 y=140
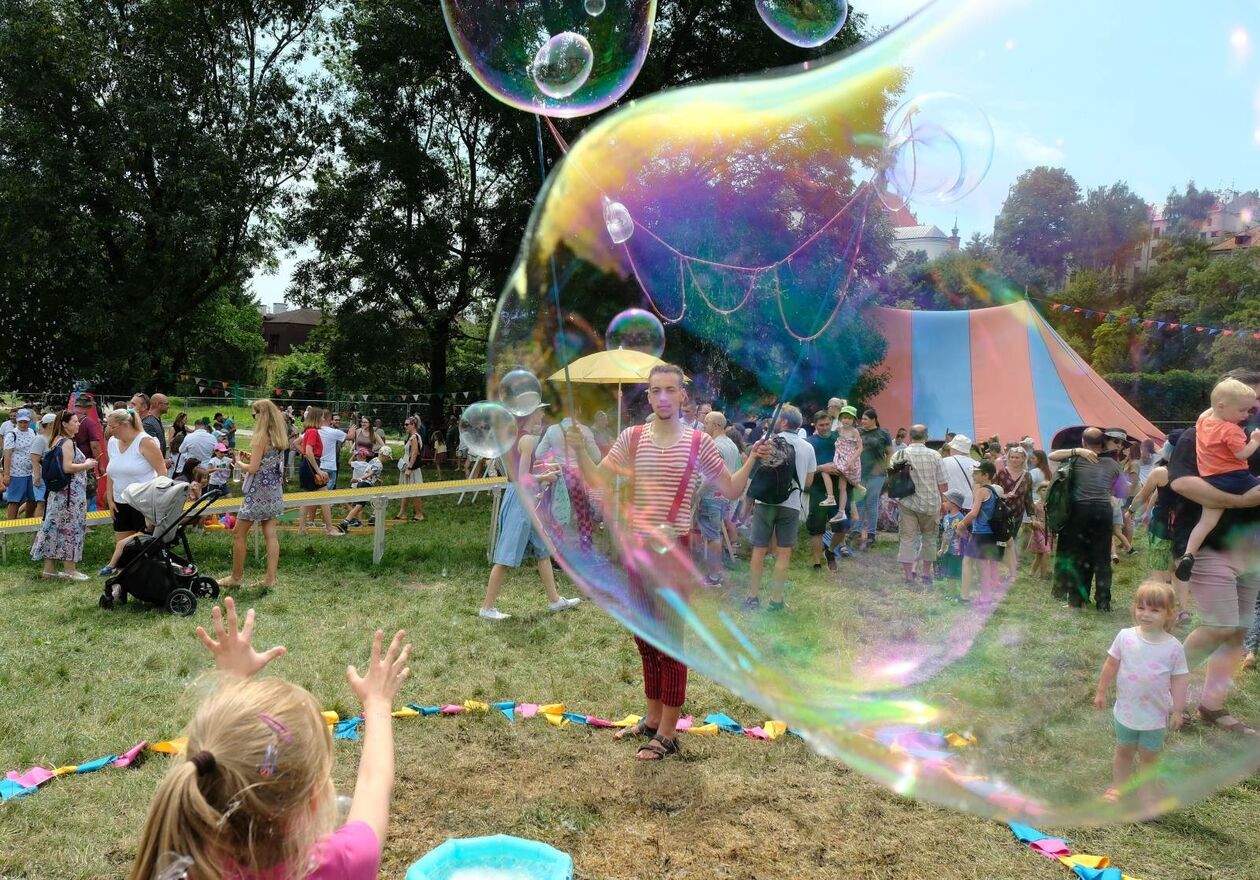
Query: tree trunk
x=439 y=350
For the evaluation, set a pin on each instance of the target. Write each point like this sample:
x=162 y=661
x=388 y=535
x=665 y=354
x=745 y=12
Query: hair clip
x=271 y=757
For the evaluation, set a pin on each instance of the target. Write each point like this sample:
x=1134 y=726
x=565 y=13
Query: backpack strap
x=685 y=484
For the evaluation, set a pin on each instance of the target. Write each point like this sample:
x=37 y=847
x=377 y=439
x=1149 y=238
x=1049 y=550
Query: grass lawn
x=77 y=682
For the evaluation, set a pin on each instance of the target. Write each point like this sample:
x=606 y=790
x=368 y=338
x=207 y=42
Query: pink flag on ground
x=32 y=778
x=128 y=757
x=527 y=710
x=1051 y=848
x=756 y=733
x=452 y=710
x=684 y=723
x=597 y=722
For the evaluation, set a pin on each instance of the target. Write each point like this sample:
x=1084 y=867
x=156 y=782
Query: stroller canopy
x=161 y=500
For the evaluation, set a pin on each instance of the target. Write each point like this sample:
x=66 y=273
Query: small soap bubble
x=618 y=220
x=636 y=330
x=520 y=392
x=804 y=23
x=487 y=429
x=939 y=149
x=594 y=7
x=563 y=64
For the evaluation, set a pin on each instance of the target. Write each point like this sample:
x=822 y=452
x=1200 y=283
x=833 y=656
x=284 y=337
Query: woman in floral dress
x=263 y=466
x=60 y=537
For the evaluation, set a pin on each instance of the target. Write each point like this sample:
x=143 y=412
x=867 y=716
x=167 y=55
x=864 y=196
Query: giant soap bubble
x=560 y=58
x=759 y=235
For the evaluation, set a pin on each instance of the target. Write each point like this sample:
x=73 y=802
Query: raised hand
x=233 y=651
x=385 y=675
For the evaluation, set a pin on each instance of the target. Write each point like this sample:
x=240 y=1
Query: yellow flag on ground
x=405 y=712
x=774 y=729
x=476 y=706
x=705 y=730
x=176 y=746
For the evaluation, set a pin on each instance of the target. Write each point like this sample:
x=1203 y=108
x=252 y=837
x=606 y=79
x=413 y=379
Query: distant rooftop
x=313 y=317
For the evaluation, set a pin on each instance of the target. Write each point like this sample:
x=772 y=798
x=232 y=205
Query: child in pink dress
x=254 y=799
x=849 y=459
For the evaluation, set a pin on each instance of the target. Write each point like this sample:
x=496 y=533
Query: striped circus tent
x=1000 y=370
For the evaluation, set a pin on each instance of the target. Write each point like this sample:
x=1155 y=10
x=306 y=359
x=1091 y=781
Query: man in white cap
x=959 y=467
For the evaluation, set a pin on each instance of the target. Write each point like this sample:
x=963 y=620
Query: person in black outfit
x=1217 y=639
x=1083 y=555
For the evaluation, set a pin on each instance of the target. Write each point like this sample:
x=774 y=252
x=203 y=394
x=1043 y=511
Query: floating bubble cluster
x=805 y=23
x=487 y=429
x=559 y=58
x=752 y=219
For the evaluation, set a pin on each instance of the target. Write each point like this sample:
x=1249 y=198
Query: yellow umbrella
x=620 y=367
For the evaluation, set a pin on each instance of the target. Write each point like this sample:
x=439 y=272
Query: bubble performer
x=667 y=461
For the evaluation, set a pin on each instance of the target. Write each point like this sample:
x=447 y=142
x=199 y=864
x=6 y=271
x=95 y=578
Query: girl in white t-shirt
x=1148 y=666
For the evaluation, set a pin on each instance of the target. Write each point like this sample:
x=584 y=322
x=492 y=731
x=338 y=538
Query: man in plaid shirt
x=920 y=512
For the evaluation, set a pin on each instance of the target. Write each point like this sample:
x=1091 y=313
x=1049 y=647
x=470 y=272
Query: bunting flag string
x=1150 y=323
x=18 y=784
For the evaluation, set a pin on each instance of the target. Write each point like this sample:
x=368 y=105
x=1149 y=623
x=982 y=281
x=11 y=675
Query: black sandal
x=1222 y=720
x=659 y=746
x=639 y=728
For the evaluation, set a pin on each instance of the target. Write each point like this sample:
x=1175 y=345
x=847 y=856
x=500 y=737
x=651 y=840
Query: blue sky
x=1108 y=89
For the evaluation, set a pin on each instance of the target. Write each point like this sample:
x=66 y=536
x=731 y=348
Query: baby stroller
x=150 y=569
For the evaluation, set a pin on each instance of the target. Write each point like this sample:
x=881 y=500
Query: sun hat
x=956 y=497
x=48 y=418
x=848 y=411
x=23 y=415
x=84 y=398
x=385 y=451
x=961 y=443
x=1117 y=434
x=220 y=447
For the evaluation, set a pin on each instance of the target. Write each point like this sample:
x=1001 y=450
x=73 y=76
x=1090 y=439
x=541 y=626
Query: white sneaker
x=563 y=604
x=827 y=502
x=492 y=614
x=75 y=575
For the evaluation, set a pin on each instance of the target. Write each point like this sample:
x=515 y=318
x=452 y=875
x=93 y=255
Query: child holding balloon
x=1147 y=665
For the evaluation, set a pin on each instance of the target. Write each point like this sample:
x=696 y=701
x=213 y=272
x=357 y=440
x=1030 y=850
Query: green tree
x=1107 y=226
x=979 y=246
x=143 y=149
x=302 y=370
x=1036 y=220
x=1116 y=343
x=1184 y=211
x=223 y=339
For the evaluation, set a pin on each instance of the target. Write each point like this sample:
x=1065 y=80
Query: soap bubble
x=940 y=146
x=520 y=392
x=759 y=242
x=487 y=429
x=562 y=65
x=804 y=23
x=617 y=221
x=560 y=58
x=636 y=330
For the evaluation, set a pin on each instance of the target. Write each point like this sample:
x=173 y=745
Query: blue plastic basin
x=500 y=857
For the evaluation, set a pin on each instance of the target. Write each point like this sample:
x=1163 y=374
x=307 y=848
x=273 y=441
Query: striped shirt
x=658 y=472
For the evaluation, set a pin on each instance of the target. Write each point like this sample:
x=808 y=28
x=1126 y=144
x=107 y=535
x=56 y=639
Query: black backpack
x=775 y=477
x=1000 y=520
x=1058 y=502
x=54 y=474
x=900 y=482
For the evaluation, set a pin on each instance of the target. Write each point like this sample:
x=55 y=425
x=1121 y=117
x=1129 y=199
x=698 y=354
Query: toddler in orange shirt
x=1222 y=449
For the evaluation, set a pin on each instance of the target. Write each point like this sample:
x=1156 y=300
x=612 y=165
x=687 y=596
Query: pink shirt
x=352 y=852
x=1144 y=682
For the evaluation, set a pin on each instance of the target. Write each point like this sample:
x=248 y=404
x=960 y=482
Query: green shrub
x=1172 y=396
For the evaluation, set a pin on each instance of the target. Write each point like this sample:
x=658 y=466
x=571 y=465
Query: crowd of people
x=699 y=485
x=109 y=447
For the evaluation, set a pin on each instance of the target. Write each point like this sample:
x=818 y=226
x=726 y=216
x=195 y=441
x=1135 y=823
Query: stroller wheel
x=181 y=601
x=204 y=587
x=106 y=602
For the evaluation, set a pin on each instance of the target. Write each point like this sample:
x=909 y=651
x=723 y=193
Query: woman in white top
x=134 y=457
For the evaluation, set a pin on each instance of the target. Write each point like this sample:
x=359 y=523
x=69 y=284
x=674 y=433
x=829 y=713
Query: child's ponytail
x=181 y=822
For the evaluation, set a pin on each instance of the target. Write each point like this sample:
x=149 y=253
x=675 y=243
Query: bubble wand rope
x=822 y=305
x=555 y=287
